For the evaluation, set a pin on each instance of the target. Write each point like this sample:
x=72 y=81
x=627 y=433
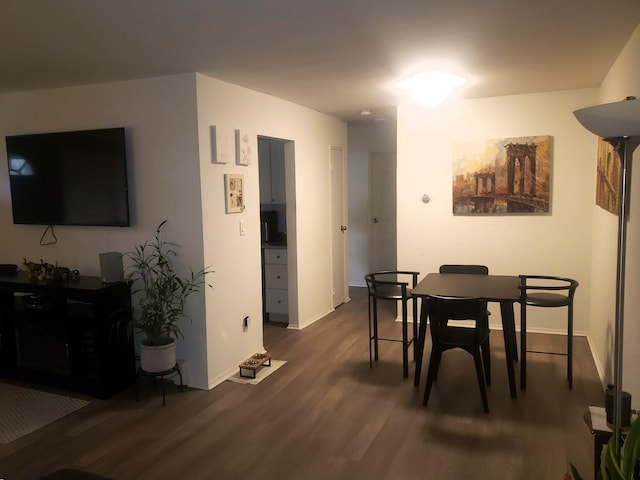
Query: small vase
x=155 y=359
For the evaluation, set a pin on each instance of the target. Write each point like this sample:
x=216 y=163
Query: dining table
x=502 y=289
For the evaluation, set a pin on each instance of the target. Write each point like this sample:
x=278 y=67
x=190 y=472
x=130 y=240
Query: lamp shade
x=618 y=119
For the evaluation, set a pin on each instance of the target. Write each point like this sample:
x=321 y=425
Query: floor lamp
x=617 y=123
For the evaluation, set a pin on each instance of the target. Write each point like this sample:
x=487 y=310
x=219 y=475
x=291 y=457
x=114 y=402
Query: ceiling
x=334 y=56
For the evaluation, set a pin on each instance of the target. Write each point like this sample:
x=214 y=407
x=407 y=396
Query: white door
x=382 y=196
x=338 y=228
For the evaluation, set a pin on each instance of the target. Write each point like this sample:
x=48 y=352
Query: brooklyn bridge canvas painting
x=608 y=179
x=502 y=175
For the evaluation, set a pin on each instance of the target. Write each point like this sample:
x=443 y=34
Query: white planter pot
x=157 y=359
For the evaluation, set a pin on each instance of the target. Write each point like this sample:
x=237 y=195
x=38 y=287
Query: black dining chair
x=395 y=286
x=548 y=292
x=481 y=270
x=467 y=269
x=473 y=338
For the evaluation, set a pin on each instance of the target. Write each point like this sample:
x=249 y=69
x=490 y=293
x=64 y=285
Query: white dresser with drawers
x=276 y=283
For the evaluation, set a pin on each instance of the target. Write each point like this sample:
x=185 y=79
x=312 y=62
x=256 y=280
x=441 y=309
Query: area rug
x=261 y=374
x=24 y=410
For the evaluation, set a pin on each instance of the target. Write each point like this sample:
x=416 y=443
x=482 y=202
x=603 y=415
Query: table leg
x=415 y=326
x=424 y=313
x=523 y=345
x=508 y=330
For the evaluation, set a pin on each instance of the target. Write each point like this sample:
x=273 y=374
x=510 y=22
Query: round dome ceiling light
x=430 y=89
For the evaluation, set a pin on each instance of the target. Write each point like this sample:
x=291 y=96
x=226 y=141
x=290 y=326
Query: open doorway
x=339 y=287
x=277 y=231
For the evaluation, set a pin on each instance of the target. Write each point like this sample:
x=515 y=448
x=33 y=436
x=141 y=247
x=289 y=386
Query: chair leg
x=432 y=373
x=481 y=382
x=523 y=345
x=570 y=347
x=437 y=362
x=370 y=337
x=486 y=360
x=514 y=340
x=405 y=340
x=375 y=329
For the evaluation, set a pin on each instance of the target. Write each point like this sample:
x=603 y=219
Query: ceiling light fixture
x=365 y=112
x=430 y=89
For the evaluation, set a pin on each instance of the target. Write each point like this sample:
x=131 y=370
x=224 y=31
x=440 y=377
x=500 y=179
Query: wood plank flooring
x=327 y=415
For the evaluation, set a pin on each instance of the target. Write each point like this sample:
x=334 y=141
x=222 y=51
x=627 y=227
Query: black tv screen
x=69 y=178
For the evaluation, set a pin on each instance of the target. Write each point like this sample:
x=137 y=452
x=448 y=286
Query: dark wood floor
x=327 y=415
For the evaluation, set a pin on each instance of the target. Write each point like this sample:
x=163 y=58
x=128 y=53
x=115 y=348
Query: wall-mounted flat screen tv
x=69 y=178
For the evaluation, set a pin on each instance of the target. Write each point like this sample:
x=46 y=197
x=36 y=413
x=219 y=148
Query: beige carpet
x=24 y=410
x=261 y=374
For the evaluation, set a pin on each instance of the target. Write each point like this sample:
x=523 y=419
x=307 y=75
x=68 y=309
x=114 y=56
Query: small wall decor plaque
x=221 y=144
x=234 y=191
x=246 y=146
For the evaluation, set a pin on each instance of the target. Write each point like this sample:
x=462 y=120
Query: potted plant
x=162 y=297
x=618 y=467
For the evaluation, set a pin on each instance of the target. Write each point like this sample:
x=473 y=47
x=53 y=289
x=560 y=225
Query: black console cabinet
x=70 y=335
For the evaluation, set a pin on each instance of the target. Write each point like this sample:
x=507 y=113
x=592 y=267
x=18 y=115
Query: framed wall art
x=234 y=192
x=502 y=176
x=608 y=177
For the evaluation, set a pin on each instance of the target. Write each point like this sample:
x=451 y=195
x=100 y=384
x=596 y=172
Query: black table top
x=491 y=287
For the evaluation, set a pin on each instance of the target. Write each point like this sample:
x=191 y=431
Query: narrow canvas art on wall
x=608 y=180
x=503 y=175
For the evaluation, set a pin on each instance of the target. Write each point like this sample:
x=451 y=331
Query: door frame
x=340 y=285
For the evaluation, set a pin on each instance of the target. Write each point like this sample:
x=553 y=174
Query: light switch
x=242 y=231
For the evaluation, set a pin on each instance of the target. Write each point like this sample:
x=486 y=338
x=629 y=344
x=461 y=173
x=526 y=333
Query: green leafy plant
x=619 y=467
x=162 y=293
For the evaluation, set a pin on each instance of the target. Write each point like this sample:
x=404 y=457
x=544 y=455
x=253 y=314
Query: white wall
x=364 y=139
x=172 y=177
x=554 y=244
x=236 y=258
x=623 y=80
x=159 y=117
